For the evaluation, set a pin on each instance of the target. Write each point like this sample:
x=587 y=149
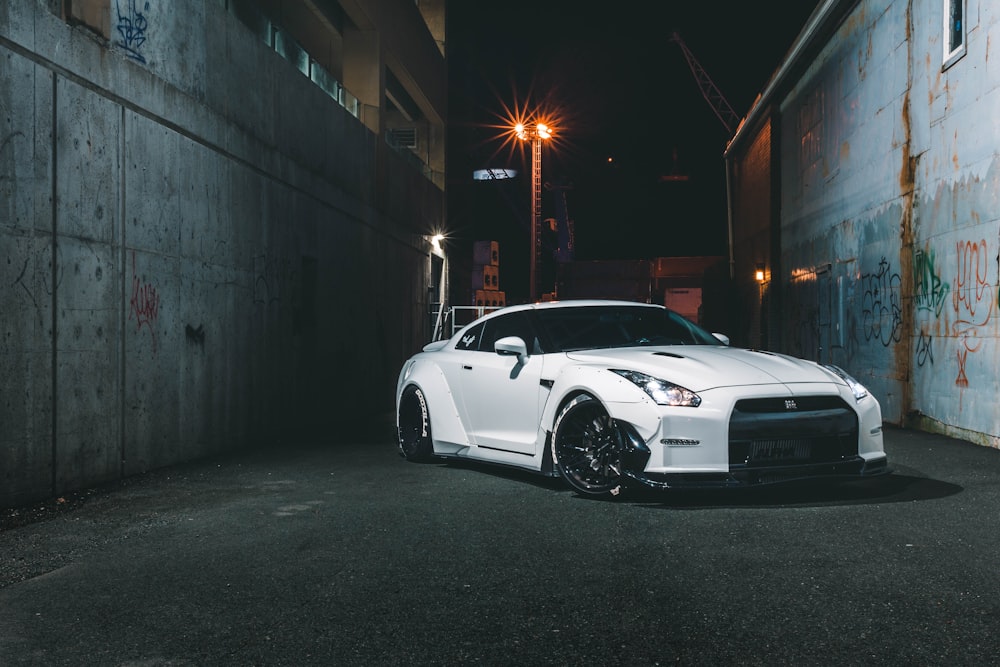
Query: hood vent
x=667 y=354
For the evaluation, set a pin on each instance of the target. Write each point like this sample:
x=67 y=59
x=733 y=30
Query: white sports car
x=615 y=394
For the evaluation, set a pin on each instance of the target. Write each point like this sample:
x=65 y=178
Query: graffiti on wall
x=973 y=300
x=132 y=26
x=271 y=276
x=925 y=348
x=958 y=308
x=144 y=306
x=196 y=336
x=880 y=305
x=930 y=293
x=804 y=317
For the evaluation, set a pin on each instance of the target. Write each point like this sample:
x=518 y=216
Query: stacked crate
x=486 y=275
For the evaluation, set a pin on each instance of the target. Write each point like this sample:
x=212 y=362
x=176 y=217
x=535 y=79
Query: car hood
x=704 y=367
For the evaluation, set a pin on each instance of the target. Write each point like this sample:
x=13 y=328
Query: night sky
x=619 y=89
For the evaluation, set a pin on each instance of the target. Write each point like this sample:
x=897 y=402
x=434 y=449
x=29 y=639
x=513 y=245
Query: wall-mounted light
x=435 y=240
x=759 y=273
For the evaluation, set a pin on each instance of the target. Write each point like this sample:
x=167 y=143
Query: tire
x=413 y=426
x=587 y=446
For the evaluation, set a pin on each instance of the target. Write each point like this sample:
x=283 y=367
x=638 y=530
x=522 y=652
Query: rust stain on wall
x=907 y=171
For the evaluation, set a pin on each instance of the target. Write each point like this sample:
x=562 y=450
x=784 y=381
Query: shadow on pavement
x=891 y=488
x=505 y=472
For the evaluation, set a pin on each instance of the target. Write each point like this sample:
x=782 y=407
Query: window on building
x=93 y=14
x=954 y=32
x=403 y=137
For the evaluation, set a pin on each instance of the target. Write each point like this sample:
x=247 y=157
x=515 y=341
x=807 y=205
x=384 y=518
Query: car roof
x=550 y=305
x=545 y=305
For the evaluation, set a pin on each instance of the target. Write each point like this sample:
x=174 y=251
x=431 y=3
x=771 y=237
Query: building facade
x=216 y=223
x=864 y=185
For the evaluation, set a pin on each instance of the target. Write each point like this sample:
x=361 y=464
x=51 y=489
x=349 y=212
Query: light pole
x=535 y=134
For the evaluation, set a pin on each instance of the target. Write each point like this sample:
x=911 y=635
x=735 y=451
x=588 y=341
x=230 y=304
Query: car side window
x=513 y=324
x=470 y=339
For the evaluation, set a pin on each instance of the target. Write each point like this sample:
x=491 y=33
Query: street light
x=535 y=134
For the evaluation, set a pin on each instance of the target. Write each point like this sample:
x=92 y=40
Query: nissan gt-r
x=612 y=395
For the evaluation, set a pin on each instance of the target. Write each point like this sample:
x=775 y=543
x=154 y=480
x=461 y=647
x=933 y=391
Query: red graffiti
x=145 y=304
x=972 y=297
x=963 y=379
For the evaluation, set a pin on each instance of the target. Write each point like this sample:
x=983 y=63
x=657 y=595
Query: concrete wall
x=193 y=252
x=890 y=177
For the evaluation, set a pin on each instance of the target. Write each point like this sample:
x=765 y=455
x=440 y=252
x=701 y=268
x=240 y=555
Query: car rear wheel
x=413 y=424
x=587 y=446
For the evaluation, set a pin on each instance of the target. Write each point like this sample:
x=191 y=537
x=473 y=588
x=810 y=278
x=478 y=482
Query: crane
x=720 y=105
x=709 y=90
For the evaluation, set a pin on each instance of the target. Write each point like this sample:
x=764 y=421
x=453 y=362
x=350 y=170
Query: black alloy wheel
x=414 y=426
x=587 y=447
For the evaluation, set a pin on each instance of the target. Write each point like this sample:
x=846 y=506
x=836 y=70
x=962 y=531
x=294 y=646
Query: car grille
x=805 y=430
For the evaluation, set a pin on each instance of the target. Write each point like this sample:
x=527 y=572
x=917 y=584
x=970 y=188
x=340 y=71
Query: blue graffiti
x=925 y=349
x=132 y=27
x=880 y=309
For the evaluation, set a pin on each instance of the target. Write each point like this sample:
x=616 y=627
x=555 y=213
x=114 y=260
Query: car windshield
x=589 y=327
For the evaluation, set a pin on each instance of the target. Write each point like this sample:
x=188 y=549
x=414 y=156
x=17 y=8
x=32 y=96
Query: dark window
x=954 y=32
x=470 y=339
x=589 y=327
x=93 y=14
x=513 y=324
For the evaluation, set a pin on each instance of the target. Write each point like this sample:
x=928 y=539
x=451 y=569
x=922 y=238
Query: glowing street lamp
x=535 y=134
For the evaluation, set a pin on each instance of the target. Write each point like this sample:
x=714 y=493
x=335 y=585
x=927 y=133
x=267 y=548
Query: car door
x=454 y=367
x=501 y=393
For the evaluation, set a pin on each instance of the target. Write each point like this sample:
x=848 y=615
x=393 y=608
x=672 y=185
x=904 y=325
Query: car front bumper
x=753 y=441
x=852 y=468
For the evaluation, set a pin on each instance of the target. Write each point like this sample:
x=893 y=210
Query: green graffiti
x=929 y=291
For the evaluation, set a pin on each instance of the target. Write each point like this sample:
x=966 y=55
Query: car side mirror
x=723 y=338
x=511 y=345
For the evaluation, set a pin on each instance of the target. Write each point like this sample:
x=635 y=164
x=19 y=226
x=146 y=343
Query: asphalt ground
x=347 y=555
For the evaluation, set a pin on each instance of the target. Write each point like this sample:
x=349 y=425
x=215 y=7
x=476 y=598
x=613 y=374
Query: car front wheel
x=587 y=446
x=413 y=424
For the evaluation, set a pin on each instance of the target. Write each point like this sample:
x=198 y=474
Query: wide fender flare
x=446 y=424
x=622 y=399
x=870 y=426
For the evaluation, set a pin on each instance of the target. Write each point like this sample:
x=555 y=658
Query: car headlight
x=661 y=391
x=857 y=388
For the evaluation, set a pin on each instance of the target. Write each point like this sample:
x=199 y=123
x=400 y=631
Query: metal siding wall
x=894 y=186
x=956 y=270
x=840 y=209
